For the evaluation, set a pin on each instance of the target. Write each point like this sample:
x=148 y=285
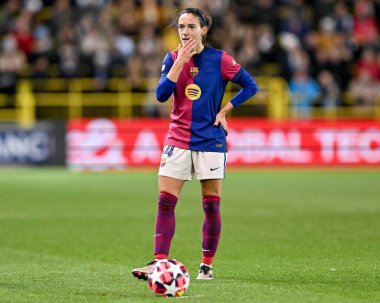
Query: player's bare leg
x=212 y=187
x=170 y=185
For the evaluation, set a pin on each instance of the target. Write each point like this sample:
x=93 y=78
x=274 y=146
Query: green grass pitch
x=287 y=236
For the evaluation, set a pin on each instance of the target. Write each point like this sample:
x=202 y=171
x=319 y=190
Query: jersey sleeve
x=229 y=67
x=165 y=87
x=167 y=64
x=249 y=87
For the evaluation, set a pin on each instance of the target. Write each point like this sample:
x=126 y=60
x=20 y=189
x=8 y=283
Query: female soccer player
x=196 y=76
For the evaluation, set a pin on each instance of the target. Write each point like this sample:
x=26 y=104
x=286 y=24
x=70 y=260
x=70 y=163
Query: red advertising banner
x=98 y=144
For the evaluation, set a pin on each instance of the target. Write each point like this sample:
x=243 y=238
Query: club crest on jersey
x=193 y=92
x=194 y=71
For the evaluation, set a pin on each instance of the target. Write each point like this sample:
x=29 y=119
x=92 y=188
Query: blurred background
x=78 y=78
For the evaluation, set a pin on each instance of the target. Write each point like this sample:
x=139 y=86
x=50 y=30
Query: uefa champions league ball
x=169 y=278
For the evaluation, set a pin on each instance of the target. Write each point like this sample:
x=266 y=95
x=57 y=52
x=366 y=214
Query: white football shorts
x=182 y=163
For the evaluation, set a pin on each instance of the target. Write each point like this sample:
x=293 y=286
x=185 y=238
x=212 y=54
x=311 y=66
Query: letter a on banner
x=146 y=148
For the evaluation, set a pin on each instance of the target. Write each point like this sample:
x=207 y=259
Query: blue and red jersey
x=197 y=98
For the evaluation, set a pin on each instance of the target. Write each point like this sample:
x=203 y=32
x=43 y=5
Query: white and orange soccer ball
x=169 y=278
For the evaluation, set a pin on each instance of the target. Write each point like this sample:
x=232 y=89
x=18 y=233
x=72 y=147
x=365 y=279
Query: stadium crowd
x=323 y=48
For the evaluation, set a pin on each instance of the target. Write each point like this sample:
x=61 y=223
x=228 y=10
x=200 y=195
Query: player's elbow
x=252 y=88
x=164 y=90
x=162 y=96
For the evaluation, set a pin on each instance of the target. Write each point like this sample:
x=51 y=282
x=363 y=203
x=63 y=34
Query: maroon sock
x=165 y=223
x=212 y=226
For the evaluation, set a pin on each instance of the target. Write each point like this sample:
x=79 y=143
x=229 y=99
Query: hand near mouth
x=186 y=50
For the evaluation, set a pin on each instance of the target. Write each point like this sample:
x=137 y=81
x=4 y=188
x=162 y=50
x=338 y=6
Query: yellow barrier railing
x=76 y=98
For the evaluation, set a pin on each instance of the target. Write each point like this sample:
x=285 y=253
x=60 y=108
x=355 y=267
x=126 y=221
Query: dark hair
x=204 y=18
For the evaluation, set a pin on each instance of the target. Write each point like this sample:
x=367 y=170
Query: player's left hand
x=221 y=120
x=221 y=116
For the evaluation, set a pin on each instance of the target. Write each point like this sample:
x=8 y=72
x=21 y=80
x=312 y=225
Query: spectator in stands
x=60 y=14
x=249 y=56
x=265 y=13
x=297 y=59
x=266 y=44
x=43 y=44
x=124 y=46
x=231 y=28
x=10 y=9
x=365 y=29
x=368 y=62
x=40 y=69
x=296 y=18
x=135 y=73
x=149 y=43
x=363 y=89
x=305 y=92
x=68 y=60
x=90 y=4
x=323 y=8
x=12 y=61
x=150 y=12
x=22 y=32
x=343 y=19
x=330 y=91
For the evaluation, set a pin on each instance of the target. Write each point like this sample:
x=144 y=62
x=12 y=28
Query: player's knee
x=166 y=203
x=211 y=204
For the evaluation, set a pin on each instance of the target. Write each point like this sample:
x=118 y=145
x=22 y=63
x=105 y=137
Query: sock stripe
x=165 y=195
x=211 y=199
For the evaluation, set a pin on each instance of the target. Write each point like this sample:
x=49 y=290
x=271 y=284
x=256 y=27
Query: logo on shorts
x=212 y=169
x=193 y=92
x=194 y=71
x=167 y=153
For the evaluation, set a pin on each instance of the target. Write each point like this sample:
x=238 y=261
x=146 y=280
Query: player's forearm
x=168 y=83
x=226 y=108
x=249 y=89
x=165 y=89
x=175 y=71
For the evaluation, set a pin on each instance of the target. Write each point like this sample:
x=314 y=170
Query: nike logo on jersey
x=212 y=169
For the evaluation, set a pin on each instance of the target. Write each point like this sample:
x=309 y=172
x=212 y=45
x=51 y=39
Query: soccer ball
x=169 y=278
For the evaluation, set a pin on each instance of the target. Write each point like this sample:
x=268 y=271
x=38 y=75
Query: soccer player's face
x=189 y=27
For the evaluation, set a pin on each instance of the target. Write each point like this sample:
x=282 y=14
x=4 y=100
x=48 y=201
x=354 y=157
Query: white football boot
x=205 y=272
x=143 y=272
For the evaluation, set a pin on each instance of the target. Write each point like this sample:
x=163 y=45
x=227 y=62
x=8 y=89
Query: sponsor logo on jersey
x=194 y=71
x=193 y=92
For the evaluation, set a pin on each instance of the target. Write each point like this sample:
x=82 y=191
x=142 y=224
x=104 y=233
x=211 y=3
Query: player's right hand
x=187 y=50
